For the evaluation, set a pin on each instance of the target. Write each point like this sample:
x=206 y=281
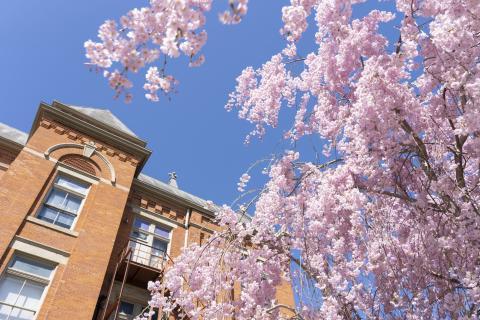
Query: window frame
x=151 y=232
x=148 y=242
x=29 y=277
x=123 y=315
x=55 y=186
x=137 y=308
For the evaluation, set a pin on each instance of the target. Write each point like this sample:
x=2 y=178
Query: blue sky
x=43 y=59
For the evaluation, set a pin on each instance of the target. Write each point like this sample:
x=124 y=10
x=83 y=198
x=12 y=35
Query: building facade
x=82 y=230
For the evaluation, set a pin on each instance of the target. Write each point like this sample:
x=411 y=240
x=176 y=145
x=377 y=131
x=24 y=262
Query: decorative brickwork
x=83 y=139
x=6 y=157
x=104 y=223
x=81 y=163
x=167 y=210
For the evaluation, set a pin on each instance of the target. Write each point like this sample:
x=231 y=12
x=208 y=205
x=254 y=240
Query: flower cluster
x=238 y=8
x=388 y=227
x=167 y=28
x=157 y=82
x=389 y=214
x=243 y=182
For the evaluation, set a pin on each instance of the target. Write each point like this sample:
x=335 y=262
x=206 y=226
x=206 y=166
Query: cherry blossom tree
x=388 y=227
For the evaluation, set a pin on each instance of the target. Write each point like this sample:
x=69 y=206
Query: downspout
x=187 y=225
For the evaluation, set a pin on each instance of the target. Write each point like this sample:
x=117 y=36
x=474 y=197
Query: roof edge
x=70 y=109
x=94 y=128
x=12 y=138
x=11 y=144
x=182 y=200
x=171 y=196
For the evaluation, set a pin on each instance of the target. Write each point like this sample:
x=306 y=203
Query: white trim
x=193 y=224
x=59 y=173
x=25 y=276
x=151 y=232
x=38 y=154
x=158 y=219
x=113 y=176
x=42 y=223
x=110 y=167
x=61 y=146
x=54 y=160
x=116 y=185
x=155 y=216
x=61 y=167
x=39 y=250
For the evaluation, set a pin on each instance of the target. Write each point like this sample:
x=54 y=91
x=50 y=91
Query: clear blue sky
x=42 y=59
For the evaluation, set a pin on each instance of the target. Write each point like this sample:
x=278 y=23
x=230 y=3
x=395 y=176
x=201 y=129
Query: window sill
x=52 y=226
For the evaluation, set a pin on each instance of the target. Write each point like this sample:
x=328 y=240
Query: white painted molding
x=39 y=250
x=89 y=149
x=77 y=174
x=40 y=222
x=113 y=177
x=155 y=216
x=62 y=146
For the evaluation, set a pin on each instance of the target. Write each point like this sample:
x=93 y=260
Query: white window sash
x=67 y=190
x=25 y=277
x=151 y=231
x=14 y=305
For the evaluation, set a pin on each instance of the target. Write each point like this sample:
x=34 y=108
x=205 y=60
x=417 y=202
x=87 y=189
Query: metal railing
x=147 y=255
x=141 y=253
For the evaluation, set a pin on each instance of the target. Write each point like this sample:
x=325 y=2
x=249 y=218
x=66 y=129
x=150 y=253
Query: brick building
x=82 y=230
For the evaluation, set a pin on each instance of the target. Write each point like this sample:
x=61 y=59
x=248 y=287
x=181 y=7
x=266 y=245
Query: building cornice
x=165 y=194
x=87 y=125
x=182 y=198
x=10 y=145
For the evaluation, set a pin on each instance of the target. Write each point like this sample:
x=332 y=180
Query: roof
x=13 y=134
x=105 y=116
x=207 y=206
x=165 y=187
x=21 y=137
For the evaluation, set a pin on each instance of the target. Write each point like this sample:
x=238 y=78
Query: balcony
x=137 y=264
x=147 y=255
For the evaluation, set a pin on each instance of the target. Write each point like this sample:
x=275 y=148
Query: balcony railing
x=147 y=255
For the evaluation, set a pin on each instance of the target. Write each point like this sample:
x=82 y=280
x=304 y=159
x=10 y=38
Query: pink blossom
x=387 y=226
x=162 y=29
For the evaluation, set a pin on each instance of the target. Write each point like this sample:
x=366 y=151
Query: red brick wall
x=103 y=226
x=74 y=290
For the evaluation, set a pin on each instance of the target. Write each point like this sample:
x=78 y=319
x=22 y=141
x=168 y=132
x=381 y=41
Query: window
x=22 y=288
x=130 y=310
x=149 y=243
x=64 y=201
x=164 y=316
x=126 y=310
